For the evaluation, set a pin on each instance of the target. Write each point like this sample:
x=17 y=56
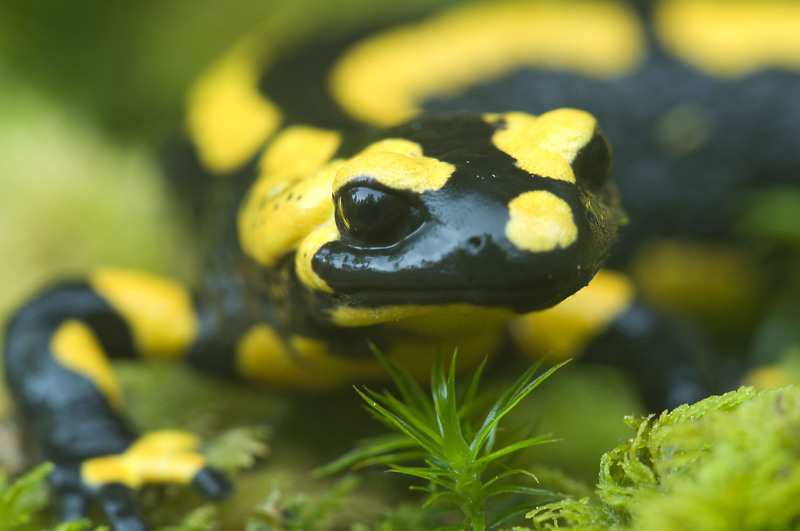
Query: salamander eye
x=592 y=164
x=374 y=218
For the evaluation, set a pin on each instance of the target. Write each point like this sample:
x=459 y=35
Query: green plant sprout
x=439 y=432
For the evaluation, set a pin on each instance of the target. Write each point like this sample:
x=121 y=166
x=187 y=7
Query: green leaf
x=516 y=489
x=402 y=425
x=507 y=402
x=444 y=402
x=388 y=459
x=410 y=416
x=424 y=473
x=369 y=449
x=410 y=390
x=472 y=392
x=445 y=494
x=527 y=443
x=507 y=473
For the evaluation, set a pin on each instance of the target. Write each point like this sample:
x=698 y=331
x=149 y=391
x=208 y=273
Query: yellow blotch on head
x=228 y=119
x=159 y=312
x=382 y=80
x=564 y=330
x=292 y=195
x=545 y=145
x=75 y=347
x=296 y=152
x=398 y=164
x=540 y=222
x=731 y=38
x=290 y=207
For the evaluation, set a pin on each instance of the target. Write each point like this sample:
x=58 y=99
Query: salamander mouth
x=514 y=299
x=366 y=308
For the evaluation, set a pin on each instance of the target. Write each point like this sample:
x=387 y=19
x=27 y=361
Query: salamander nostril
x=476 y=243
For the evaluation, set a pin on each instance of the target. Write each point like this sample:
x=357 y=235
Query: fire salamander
x=427 y=185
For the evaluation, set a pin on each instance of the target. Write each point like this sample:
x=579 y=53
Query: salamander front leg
x=56 y=357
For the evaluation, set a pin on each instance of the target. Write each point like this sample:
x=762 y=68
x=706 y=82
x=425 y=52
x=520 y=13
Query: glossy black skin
x=456 y=247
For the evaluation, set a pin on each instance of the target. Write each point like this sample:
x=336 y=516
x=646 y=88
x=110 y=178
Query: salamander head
x=446 y=214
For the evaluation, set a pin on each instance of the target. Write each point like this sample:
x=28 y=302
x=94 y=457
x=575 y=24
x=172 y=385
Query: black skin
x=453 y=246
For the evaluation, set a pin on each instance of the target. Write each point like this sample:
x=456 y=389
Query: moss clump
x=727 y=462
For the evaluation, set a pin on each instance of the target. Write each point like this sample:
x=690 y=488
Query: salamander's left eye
x=592 y=164
x=373 y=217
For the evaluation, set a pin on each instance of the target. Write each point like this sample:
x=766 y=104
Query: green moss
x=727 y=462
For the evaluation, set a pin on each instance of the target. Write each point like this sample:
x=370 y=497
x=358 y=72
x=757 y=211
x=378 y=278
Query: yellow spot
x=297 y=152
x=397 y=164
x=540 y=222
x=292 y=194
x=719 y=286
x=566 y=329
x=545 y=145
x=353 y=316
x=157 y=457
x=731 y=38
x=383 y=80
x=228 y=119
x=270 y=227
x=75 y=346
x=159 y=312
x=305 y=364
x=290 y=207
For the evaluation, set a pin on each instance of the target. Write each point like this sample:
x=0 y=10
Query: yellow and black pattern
x=428 y=184
x=57 y=358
